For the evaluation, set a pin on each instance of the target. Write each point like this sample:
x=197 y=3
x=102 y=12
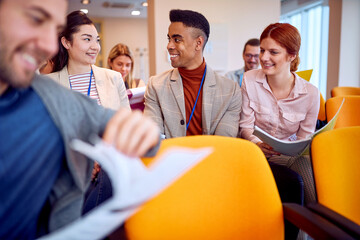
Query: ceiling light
x=84 y=10
x=144 y=4
x=135 y=12
x=108 y=4
x=85 y=2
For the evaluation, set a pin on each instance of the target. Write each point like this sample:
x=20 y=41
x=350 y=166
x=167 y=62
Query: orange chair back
x=349 y=114
x=336 y=164
x=322 y=112
x=343 y=91
x=306 y=74
x=229 y=195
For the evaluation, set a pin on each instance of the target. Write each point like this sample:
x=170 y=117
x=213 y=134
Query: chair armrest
x=339 y=220
x=313 y=224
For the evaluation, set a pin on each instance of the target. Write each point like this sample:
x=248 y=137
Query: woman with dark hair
x=74 y=67
x=278 y=101
x=121 y=60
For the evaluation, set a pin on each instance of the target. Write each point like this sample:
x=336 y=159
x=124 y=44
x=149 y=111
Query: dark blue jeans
x=99 y=190
x=291 y=189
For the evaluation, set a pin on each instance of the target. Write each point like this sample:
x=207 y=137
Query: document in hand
x=133 y=184
x=136 y=98
x=294 y=148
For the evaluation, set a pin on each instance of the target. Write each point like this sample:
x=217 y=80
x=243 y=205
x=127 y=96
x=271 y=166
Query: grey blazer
x=221 y=104
x=76 y=116
x=109 y=84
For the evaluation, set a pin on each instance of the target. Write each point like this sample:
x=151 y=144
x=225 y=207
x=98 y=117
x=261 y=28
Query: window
x=312 y=21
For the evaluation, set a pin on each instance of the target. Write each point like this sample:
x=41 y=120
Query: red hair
x=288 y=37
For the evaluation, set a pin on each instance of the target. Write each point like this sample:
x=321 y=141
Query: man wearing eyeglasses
x=251 y=59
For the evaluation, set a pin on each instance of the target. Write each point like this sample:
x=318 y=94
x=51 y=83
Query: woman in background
x=121 y=60
x=74 y=67
x=278 y=101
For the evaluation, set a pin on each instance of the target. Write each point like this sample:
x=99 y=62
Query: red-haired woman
x=279 y=101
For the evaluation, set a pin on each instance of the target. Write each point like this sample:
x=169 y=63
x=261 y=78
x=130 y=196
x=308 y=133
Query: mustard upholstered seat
x=336 y=164
x=343 y=91
x=231 y=194
x=306 y=74
x=349 y=114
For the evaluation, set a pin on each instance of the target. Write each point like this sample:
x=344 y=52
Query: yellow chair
x=349 y=114
x=342 y=91
x=336 y=164
x=306 y=74
x=322 y=112
x=231 y=194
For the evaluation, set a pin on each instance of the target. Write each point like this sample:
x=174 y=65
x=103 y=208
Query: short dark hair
x=252 y=42
x=74 y=20
x=191 y=19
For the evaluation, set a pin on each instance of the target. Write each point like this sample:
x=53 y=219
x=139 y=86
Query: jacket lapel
x=178 y=90
x=64 y=77
x=208 y=99
x=99 y=77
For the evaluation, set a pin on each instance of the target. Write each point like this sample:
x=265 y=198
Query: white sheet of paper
x=133 y=184
x=137 y=95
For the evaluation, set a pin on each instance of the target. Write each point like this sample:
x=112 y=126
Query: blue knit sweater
x=26 y=133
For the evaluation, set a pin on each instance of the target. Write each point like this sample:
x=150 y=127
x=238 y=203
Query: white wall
x=349 y=69
x=132 y=32
x=232 y=23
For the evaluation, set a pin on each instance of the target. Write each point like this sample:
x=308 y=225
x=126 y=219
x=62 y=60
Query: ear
x=65 y=43
x=199 y=43
x=292 y=57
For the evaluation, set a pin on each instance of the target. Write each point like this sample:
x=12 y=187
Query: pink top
x=284 y=118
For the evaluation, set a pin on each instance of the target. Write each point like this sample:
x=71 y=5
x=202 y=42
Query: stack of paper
x=133 y=184
x=293 y=148
x=136 y=98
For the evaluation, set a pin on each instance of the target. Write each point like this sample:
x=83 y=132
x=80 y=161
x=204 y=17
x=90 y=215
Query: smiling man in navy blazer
x=191 y=99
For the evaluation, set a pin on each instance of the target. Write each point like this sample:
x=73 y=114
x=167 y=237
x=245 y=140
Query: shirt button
x=182 y=122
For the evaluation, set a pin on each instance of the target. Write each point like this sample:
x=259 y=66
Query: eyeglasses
x=249 y=56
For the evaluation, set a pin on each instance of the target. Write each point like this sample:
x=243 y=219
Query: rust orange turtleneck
x=191 y=80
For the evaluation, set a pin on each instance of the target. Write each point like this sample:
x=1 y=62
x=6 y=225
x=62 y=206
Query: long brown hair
x=123 y=50
x=288 y=37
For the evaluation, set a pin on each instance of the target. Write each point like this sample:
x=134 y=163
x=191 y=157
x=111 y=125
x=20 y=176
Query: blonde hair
x=123 y=50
